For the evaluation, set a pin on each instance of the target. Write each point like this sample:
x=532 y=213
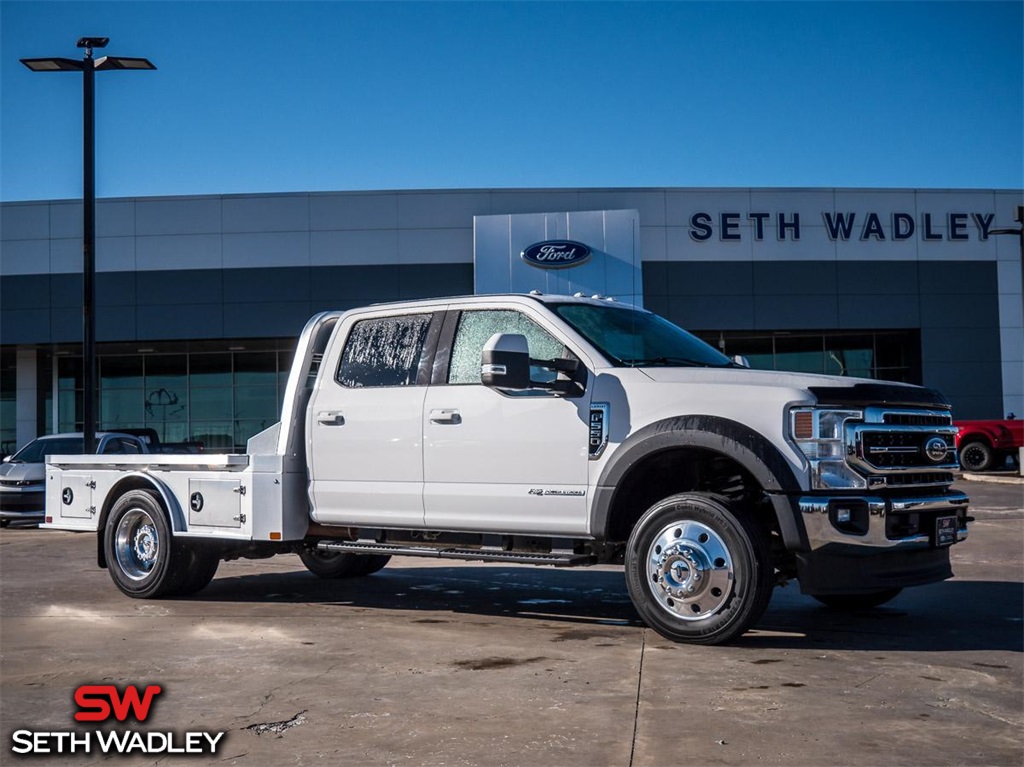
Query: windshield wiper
x=672 y=361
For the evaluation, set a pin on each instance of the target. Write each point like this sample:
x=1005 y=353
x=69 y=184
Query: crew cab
x=557 y=430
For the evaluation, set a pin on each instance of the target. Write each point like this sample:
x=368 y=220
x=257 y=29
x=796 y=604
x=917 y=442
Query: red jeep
x=984 y=445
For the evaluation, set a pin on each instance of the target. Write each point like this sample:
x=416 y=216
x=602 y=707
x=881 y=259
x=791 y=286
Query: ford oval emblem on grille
x=556 y=254
x=936 y=449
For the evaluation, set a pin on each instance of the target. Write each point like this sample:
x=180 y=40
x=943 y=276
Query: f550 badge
x=598 y=429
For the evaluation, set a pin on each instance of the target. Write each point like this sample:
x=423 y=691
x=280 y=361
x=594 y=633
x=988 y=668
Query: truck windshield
x=632 y=338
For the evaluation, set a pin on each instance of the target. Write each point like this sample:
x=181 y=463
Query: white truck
x=552 y=430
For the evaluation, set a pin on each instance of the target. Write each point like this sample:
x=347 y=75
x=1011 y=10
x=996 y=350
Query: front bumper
x=22 y=503
x=880 y=523
x=861 y=544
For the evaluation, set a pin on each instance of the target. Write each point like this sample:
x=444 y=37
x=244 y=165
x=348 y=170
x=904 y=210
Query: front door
x=504 y=462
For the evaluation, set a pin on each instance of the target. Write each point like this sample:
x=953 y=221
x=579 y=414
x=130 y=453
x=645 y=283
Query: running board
x=565 y=559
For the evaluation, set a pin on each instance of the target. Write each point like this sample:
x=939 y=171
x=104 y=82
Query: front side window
x=477 y=327
x=384 y=352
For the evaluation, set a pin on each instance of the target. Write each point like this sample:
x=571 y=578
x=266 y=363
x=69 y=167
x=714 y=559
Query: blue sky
x=293 y=96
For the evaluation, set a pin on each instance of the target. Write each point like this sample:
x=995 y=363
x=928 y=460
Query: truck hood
x=21 y=472
x=827 y=390
x=749 y=377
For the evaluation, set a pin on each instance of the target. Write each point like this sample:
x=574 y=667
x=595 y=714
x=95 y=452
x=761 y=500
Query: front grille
x=916 y=419
x=894 y=449
x=902 y=447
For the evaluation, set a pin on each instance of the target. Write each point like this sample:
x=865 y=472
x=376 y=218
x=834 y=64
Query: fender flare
x=138 y=480
x=749 y=449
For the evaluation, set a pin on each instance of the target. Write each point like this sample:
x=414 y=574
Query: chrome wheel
x=137 y=544
x=691 y=570
x=141 y=554
x=698 y=570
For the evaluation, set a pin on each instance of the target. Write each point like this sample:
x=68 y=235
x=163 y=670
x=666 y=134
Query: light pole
x=1018 y=233
x=88 y=66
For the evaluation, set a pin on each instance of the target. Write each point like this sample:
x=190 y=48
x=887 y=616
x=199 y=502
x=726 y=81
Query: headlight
x=819 y=435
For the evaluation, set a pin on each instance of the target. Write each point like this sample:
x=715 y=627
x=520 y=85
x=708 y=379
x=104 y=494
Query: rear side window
x=384 y=352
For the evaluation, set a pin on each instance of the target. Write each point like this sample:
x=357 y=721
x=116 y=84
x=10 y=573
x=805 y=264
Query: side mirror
x=7 y=459
x=742 y=361
x=505 y=362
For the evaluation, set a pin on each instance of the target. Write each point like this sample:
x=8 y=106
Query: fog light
x=849 y=517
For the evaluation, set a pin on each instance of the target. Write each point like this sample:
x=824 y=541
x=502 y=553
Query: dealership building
x=199 y=300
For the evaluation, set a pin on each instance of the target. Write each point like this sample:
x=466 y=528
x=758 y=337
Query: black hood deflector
x=863 y=395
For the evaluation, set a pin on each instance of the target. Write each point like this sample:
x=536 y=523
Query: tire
x=696 y=571
x=141 y=554
x=976 y=456
x=341 y=564
x=4 y=522
x=200 y=565
x=853 y=602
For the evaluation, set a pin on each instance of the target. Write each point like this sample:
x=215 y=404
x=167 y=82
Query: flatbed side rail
x=200 y=462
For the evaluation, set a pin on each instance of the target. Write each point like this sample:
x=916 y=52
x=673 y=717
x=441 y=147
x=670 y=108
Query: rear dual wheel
x=144 y=559
x=697 y=570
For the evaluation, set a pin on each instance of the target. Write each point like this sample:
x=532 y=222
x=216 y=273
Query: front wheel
x=698 y=572
x=976 y=456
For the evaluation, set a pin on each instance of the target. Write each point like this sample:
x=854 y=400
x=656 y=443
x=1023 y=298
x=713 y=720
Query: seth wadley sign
x=895 y=227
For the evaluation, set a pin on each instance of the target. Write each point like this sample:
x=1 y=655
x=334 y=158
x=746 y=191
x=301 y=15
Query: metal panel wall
x=613 y=269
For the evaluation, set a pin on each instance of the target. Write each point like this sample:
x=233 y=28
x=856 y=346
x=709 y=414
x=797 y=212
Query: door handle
x=331 y=419
x=445 y=416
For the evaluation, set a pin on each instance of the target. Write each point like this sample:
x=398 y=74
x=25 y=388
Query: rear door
x=364 y=421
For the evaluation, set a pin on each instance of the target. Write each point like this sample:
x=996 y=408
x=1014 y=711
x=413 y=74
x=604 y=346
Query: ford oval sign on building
x=556 y=254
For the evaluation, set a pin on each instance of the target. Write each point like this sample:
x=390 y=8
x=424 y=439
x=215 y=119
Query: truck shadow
x=949 y=616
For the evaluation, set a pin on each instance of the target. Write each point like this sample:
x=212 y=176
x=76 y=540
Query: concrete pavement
x=436 y=663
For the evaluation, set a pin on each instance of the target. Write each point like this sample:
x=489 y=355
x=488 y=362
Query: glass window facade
x=8 y=402
x=890 y=355
x=220 y=399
